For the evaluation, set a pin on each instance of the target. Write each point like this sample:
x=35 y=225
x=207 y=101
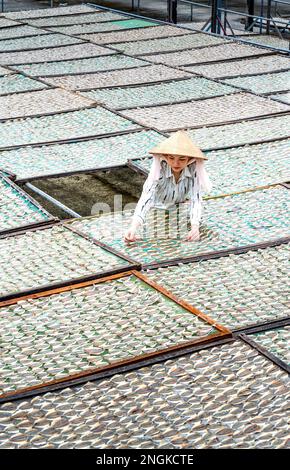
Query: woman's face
x=176 y=162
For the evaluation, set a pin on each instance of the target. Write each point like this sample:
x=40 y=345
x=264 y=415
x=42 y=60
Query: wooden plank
x=87 y=375
x=70 y=284
x=181 y=302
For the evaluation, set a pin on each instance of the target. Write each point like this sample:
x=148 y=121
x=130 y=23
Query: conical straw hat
x=179 y=143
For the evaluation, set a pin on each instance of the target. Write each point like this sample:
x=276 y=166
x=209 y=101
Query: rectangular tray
x=246 y=132
x=223 y=397
x=17 y=83
x=18 y=210
x=240 y=67
x=264 y=84
x=53 y=257
x=118 y=25
x=78 y=66
x=238 y=291
x=42 y=102
x=138 y=75
x=140 y=34
x=72 y=125
x=228 y=224
x=167 y=44
x=189 y=57
x=77 y=51
x=175 y=91
x=84 y=330
x=63 y=159
x=220 y=110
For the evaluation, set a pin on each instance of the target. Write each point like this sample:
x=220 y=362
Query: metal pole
x=251 y=11
x=261 y=15
x=225 y=21
x=268 y=16
x=174 y=11
x=213 y=16
x=219 y=15
x=169 y=11
x=52 y=200
x=216 y=16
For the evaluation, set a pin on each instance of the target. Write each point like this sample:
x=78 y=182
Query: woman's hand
x=130 y=234
x=193 y=234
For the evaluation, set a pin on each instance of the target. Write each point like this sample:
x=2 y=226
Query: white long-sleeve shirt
x=165 y=193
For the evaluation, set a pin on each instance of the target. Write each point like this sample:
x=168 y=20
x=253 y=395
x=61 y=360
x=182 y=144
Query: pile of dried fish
x=93 y=17
x=225 y=51
x=151 y=73
x=78 y=51
x=37 y=42
x=271 y=41
x=31 y=162
x=264 y=64
x=5 y=22
x=237 y=290
x=16 y=83
x=40 y=102
x=20 y=31
x=255 y=165
x=150 y=95
x=233 y=221
x=87 y=65
x=68 y=10
x=152 y=46
x=70 y=125
x=240 y=133
x=268 y=83
x=210 y=111
x=276 y=341
x=16 y=210
x=135 y=35
x=224 y=397
x=90 y=328
x=205 y=399
x=41 y=257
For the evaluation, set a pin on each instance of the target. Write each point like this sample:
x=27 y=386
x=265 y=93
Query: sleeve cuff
x=137 y=220
x=195 y=222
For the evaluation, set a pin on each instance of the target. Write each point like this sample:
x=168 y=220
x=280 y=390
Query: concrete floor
x=16 y=5
x=81 y=192
x=151 y=8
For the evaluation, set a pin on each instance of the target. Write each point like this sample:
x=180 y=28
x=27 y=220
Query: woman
x=177 y=173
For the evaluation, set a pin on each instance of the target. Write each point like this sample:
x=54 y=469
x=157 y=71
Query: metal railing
x=263 y=22
x=276 y=2
x=218 y=21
